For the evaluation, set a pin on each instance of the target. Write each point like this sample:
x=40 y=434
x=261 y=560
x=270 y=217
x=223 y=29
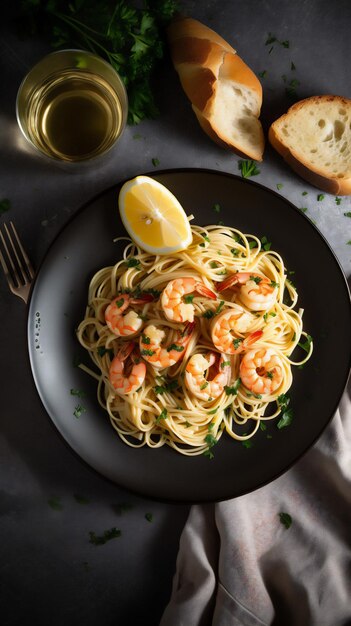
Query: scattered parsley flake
x=5 y=205
x=247 y=443
x=347 y=214
x=147 y=352
x=233 y=390
x=320 y=197
x=292 y=66
x=208 y=314
x=263 y=426
x=285 y=519
x=112 y=533
x=163 y=415
x=262 y=74
x=303 y=209
x=102 y=351
x=77 y=392
x=132 y=262
x=120 y=303
x=286 y=419
x=176 y=347
x=280 y=186
x=149 y=517
x=189 y=298
x=155 y=162
x=304 y=193
x=216 y=207
x=248 y=168
x=79 y=410
x=338 y=200
x=145 y=339
x=306 y=344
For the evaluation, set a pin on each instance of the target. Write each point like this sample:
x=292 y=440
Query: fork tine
x=18 y=272
x=4 y=264
x=28 y=267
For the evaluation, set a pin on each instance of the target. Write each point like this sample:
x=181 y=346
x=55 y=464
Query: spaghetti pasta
x=214 y=327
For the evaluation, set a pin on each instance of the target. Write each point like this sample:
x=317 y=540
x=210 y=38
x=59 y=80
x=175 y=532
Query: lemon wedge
x=153 y=217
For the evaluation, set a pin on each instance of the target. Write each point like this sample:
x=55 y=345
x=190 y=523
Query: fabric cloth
x=239 y=565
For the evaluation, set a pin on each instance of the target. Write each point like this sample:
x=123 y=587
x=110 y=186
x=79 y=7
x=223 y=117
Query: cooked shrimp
x=158 y=355
x=121 y=323
x=195 y=375
x=225 y=328
x=261 y=371
x=174 y=300
x=256 y=291
x=120 y=382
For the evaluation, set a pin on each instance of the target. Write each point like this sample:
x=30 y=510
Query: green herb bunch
x=129 y=37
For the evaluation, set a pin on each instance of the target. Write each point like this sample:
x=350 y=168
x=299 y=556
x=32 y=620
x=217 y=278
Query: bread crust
x=188 y=27
x=202 y=58
x=314 y=175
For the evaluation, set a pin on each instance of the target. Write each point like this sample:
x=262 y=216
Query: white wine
x=72 y=106
x=74 y=116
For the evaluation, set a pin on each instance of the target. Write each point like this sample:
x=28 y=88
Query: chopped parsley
x=247 y=443
x=256 y=279
x=347 y=214
x=233 y=390
x=280 y=186
x=167 y=387
x=79 y=410
x=147 y=352
x=304 y=193
x=320 y=197
x=155 y=162
x=120 y=303
x=216 y=207
x=97 y=540
x=285 y=519
x=132 y=262
x=262 y=74
x=145 y=339
x=163 y=415
x=176 y=347
x=225 y=364
x=306 y=345
x=248 y=168
x=211 y=441
x=338 y=200
x=265 y=243
x=5 y=205
x=237 y=342
x=208 y=314
x=271 y=39
x=287 y=414
x=149 y=517
x=189 y=298
x=204 y=385
x=102 y=351
x=78 y=393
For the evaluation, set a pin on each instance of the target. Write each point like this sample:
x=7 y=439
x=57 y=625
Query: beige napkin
x=240 y=565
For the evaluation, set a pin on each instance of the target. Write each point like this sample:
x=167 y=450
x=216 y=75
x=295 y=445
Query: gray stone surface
x=49 y=572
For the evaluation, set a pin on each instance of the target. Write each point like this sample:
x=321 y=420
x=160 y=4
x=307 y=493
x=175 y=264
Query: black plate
x=58 y=302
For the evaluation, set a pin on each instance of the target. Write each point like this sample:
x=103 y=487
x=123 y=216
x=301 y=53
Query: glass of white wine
x=72 y=106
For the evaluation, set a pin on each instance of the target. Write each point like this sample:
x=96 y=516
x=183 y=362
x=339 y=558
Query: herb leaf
x=248 y=168
x=285 y=519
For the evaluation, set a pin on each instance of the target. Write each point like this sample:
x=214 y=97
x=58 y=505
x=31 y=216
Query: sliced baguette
x=225 y=94
x=314 y=138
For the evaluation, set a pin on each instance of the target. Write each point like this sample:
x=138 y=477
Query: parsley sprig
x=130 y=38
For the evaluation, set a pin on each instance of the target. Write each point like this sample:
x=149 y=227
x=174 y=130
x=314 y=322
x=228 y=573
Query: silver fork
x=15 y=262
